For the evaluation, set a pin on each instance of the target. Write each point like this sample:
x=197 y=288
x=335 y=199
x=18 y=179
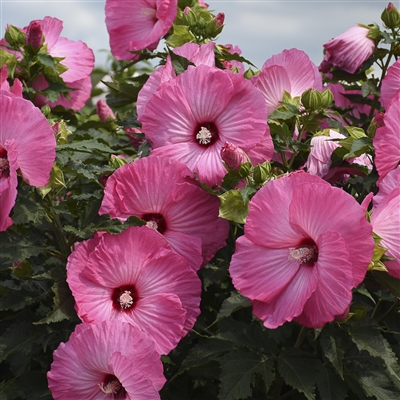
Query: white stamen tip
x=204 y=136
x=152 y=225
x=126 y=300
x=111 y=388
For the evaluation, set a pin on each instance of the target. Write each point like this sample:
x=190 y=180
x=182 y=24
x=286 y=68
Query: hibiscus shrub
x=199 y=229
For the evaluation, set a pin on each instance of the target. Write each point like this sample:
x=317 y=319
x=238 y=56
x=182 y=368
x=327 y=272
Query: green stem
x=302 y=335
x=376 y=308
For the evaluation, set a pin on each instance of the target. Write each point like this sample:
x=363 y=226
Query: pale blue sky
x=261 y=28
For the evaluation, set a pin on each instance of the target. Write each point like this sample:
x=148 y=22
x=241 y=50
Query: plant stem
x=381 y=319
x=302 y=335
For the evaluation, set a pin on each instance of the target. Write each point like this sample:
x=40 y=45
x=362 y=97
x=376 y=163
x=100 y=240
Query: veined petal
x=290 y=303
x=335 y=282
x=261 y=273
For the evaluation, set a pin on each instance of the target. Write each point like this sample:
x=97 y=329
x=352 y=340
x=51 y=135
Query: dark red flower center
x=112 y=387
x=4 y=164
x=306 y=253
x=156 y=221
x=124 y=298
x=206 y=133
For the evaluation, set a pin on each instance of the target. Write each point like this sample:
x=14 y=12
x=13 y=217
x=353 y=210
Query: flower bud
x=326 y=98
x=233 y=156
x=391 y=16
x=220 y=19
x=311 y=99
x=261 y=173
x=34 y=34
x=104 y=111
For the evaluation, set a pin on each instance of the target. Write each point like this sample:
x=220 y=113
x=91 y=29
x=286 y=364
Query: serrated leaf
x=26 y=210
x=332 y=350
x=330 y=386
x=388 y=282
x=378 y=386
x=87 y=146
x=233 y=303
x=179 y=63
x=299 y=370
x=367 y=336
x=17 y=337
x=238 y=373
x=63 y=305
x=16 y=300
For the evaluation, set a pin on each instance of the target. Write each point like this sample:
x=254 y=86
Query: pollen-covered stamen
x=126 y=300
x=111 y=388
x=204 y=136
x=152 y=225
x=306 y=255
x=4 y=164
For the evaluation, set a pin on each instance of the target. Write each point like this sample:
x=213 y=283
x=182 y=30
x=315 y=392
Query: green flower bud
x=261 y=173
x=116 y=161
x=391 y=16
x=326 y=98
x=311 y=99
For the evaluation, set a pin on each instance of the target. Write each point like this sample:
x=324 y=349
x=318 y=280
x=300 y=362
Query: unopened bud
x=233 y=156
x=326 y=98
x=220 y=19
x=391 y=16
x=117 y=161
x=104 y=111
x=311 y=99
x=34 y=34
x=261 y=173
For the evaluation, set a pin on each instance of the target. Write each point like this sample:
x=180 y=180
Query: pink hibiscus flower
x=164 y=193
x=135 y=277
x=348 y=51
x=191 y=117
x=27 y=144
x=387 y=141
x=77 y=57
x=108 y=359
x=385 y=220
x=301 y=255
x=197 y=54
x=137 y=25
x=291 y=71
x=390 y=85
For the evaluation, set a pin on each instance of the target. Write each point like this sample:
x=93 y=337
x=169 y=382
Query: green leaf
x=179 y=63
x=331 y=346
x=47 y=61
x=330 y=386
x=232 y=207
x=18 y=337
x=299 y=370
x=239 y=369
x=388 y=282
x=377 y=385
x=87 y=146
x=63 y=305
x=233 y=303
x=366 y=336
x=26 y=210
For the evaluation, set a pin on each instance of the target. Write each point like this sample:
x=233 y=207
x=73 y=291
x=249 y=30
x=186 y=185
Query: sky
x=261 y=28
